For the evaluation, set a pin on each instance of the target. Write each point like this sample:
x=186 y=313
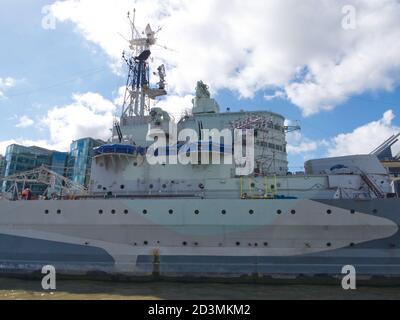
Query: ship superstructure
x=204 y=219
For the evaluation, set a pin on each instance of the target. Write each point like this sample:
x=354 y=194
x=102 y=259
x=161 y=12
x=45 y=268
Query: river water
x=11 y=289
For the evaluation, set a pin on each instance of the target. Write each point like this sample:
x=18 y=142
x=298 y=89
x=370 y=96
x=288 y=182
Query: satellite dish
x=144 y=55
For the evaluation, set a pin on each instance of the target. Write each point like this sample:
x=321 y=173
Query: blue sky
x=48 y=75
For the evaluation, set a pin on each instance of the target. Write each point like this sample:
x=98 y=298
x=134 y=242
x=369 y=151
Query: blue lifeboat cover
x=115 y=148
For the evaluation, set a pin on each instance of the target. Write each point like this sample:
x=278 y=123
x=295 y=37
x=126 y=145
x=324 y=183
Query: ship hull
x=199 y=238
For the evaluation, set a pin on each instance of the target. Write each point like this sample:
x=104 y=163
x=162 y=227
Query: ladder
x=379 y=194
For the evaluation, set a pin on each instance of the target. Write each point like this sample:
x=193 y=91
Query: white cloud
x=364 y=139
x=276 y=95
x=89 y=115
x=361 y=140
x=298 y=144
x=246 y=46
x=5 y=84
x=24 y=122
x=176 y=105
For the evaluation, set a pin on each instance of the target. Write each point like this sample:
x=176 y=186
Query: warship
x=203 y=219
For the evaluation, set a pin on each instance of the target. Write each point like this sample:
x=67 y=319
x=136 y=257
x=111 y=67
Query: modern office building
x=75 y=165
x=80 y=160
x=19 y=159
x=2 y=165
x=59 y=162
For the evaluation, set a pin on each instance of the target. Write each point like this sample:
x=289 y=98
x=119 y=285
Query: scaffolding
x=57 y=185
x=265 y=131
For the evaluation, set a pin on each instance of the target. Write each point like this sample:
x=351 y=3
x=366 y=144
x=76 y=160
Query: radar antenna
x=138 y=91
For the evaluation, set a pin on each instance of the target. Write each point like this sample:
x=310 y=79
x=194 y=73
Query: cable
x=59 y=84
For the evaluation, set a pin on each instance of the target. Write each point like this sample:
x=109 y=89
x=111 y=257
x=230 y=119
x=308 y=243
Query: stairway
x=379 y=194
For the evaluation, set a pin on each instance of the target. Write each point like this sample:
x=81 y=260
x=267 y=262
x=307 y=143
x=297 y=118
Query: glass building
x=2 y=165
x=59 y=161
x=19 y=159
x=80 y=160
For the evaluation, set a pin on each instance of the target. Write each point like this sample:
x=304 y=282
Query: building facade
x=20 y=159
x=2 y=165
x=75 y=165
x=80 y=160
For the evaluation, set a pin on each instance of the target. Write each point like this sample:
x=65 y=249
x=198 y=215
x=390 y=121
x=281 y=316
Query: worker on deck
x=27 y=194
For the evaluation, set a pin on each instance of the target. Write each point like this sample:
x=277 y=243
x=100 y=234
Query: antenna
x=138 y=91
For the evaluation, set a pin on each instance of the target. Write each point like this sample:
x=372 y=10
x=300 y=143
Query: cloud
x=361 y=140
x=5 y=84
x=299 y=144
x=89 y=115
x=176 y=105
x=365 y=138
x=299 y=49
x=24 y=122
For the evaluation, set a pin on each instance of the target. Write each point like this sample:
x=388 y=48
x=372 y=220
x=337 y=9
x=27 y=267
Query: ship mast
x=138 y=89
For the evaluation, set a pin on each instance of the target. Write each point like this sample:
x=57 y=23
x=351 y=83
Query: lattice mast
x=138 y=90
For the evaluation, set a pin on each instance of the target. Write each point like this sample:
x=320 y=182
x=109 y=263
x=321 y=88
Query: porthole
x=201 y=186
x=196 y=244
x=223 y=212
x=253 y=185
x=375 y=211
x=100 y=211
x=251 y=212
x=184 y=243
x=329 y=244
x=238 y=244
x=279 y=212
x=293 y=212
x=151 y=186
x=99 y=186
x=196 y=212
x=265 y=244
x=145 y=211
x=171 y=211
x=122 y=187
x=135 y=164
x=256 y=244
x=126 y=211
x=58 y=211
x=145 y=243
x=352 y=244
x=352 y=211
x=46 y=211
x=329 y=211
x=164 y=186
x=113 y=211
